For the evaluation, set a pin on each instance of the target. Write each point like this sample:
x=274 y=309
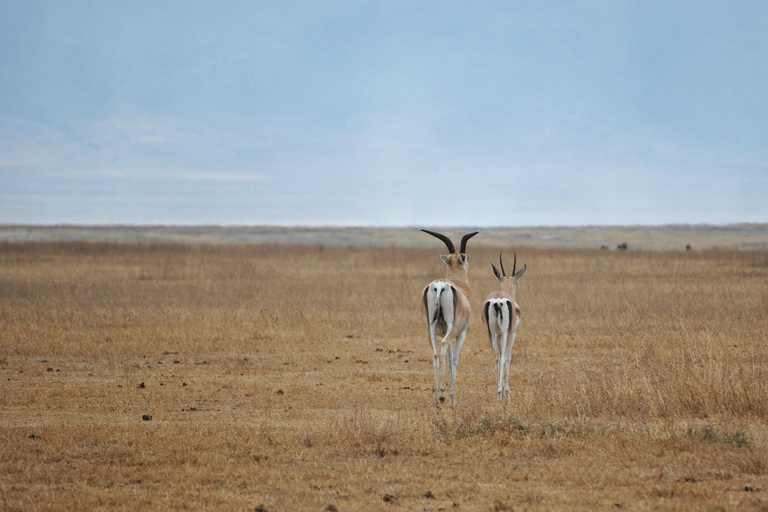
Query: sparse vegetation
x=300 y=378
x=712 y=435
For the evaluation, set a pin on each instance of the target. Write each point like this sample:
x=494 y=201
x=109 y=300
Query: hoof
x=442 y=399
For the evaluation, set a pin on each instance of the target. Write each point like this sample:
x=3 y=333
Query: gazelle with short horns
x=501 y=316
x=446 y=309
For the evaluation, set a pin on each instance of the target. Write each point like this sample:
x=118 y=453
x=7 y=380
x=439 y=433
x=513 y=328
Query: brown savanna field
x=299 y=377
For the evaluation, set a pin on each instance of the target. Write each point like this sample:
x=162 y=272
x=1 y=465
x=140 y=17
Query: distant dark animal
x=604 y=247
x=688 y=247
x=622 y=246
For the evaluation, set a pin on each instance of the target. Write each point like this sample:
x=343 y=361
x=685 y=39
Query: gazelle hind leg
x=509 y=355
x=498 y=356
x=443 y=349
x=450 y=369
x=500 y=376
x=444 y=361
x=455 y=363
x=446 y=308
x=435 y=358
x=434 y=317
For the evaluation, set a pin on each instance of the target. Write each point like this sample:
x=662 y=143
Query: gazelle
x=501 y=314
x=446 y=309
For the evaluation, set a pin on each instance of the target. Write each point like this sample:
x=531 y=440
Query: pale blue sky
x=416 y=113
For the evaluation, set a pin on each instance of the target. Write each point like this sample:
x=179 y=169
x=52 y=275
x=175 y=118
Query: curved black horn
x=502 y=265
x=464 y=241
x=514 y=264
x=444 y=238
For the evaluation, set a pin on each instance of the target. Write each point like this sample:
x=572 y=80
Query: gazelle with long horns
x=501 y=316
x=446 y=309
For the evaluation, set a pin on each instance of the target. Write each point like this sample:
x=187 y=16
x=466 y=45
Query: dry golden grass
x=299 y=378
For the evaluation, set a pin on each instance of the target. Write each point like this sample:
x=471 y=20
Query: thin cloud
x=226 y=176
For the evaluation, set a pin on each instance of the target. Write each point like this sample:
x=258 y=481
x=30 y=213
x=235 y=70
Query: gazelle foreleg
x=508 y=355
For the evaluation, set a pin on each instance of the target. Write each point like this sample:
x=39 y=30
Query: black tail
x=497 y=309
x=438 y=308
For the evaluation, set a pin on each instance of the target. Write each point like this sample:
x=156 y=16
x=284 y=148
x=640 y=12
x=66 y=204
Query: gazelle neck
x=459 y=278
x=456 y=270
x=508 y=286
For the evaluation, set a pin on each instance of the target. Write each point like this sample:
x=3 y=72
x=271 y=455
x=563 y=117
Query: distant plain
x=703 y=236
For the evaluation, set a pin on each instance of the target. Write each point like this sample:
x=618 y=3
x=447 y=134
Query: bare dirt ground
x=672 y=237
x=299 y=377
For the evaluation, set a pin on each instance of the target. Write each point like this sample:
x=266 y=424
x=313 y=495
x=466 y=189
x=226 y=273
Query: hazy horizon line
x=371 y=226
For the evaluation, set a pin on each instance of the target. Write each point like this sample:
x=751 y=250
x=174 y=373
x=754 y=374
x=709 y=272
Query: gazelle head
x=508 y=282
x=456 y=261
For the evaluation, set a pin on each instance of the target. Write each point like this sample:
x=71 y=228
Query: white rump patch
x=498 y=316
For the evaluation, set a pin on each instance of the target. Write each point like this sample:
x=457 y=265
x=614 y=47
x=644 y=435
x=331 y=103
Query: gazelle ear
x=446 y=258
x=517 y=276
x=496 y=272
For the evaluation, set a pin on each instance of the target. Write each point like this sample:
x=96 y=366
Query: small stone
x=146 y=417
